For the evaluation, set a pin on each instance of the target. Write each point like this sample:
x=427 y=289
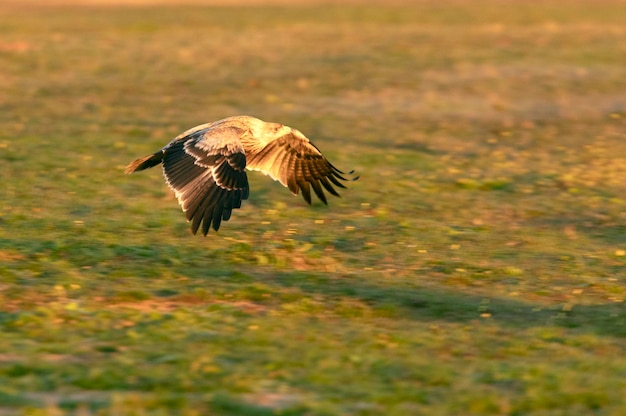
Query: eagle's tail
x=145 y=162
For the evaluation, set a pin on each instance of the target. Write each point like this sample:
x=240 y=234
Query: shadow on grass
x=608 y=231
x=227 y=268
x=432 y=304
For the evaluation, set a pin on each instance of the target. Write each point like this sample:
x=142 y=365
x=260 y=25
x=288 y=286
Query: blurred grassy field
x=478 y=266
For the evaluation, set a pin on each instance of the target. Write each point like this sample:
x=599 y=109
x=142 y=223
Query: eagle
x=206 y=166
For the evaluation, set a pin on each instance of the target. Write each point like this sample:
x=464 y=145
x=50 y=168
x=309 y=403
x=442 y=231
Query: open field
x=477 y=267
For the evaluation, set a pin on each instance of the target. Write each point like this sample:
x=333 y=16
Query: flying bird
x=206 y=166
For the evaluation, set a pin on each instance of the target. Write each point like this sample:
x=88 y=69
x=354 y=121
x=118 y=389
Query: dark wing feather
x=297 y=164
x=208 y=177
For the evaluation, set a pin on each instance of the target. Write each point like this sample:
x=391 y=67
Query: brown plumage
x=206 y=166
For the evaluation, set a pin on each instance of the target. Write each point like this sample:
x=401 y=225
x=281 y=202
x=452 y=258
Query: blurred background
x=477 y=267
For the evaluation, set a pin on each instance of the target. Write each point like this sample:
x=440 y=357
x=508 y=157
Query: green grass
x=477 y=267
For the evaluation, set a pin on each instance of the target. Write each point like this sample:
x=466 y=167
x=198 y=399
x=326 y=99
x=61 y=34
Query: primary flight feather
x=206 y=166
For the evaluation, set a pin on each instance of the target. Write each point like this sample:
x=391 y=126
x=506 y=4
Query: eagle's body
x=206 y=166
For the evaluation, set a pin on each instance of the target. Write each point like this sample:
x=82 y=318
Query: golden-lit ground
x=245 y=3
x=477 y=267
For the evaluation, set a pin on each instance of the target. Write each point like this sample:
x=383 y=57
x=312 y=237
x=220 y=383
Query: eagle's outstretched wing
x=206 y=171
x=296 y=163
